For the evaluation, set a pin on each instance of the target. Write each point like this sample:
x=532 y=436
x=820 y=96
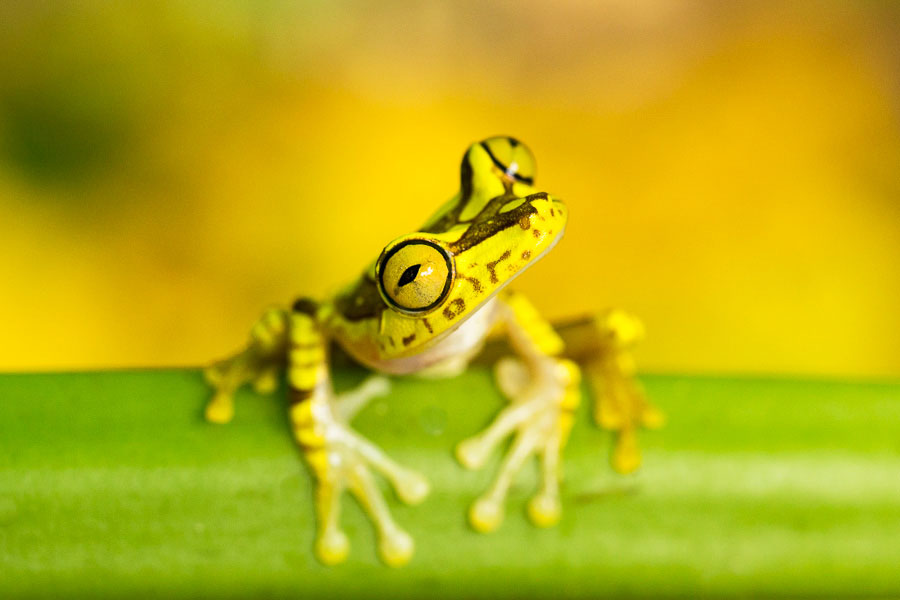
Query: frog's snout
x=550 y=215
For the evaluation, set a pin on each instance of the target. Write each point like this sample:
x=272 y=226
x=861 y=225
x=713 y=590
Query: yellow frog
x=426 y=306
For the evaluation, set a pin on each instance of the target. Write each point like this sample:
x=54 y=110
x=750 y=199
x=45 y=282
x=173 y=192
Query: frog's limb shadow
x=259 y=363
x=544 y=391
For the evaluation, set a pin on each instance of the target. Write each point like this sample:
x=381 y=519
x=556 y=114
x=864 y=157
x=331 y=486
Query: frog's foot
x=227 y=376
x=623 y=413
x=620 y=404
x=541 y=416
x=258 y=364
x=621 y=407
x=343 y=460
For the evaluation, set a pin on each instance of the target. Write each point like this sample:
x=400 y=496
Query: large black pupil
x=409 y=275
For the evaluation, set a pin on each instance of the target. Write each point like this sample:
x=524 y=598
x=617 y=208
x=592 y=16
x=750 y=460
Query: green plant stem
x=111 y=484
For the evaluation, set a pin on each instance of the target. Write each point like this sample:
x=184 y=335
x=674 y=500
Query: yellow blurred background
x=169 y=169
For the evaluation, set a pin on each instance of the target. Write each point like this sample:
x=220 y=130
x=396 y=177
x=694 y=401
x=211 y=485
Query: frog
x=426 y=307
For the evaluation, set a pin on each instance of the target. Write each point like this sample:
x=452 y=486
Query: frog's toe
x=332 y=547
x=626 y=456
x=266 y=382
x=472 y=453
x=486 y=514
x=412 y=487
x=220 y=409
x=545 y=510
x=396 y=548
x=351 y=402
x=377 y=385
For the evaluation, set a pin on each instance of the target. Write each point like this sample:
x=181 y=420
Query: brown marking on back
x=536 y=233
x=409 y=339
x=491 y=266
x=526 y=254
x=427 y=325
x=491 y=208
x=481 y=230
x=525 y=223
x=460 y=305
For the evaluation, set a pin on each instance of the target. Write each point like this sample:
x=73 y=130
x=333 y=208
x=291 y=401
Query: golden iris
x=415 y=275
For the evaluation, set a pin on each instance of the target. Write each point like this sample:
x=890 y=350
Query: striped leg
x=258 y=363
x=339 y=458
x=544 y=391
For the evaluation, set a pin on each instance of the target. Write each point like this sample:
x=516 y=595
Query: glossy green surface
x=112 y=484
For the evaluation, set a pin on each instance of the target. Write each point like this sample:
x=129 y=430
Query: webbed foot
x=342 y=460
x=258 y=364
x=620 y=404
x=540 y=417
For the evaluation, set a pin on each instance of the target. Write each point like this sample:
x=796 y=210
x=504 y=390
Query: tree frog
x=425 y=306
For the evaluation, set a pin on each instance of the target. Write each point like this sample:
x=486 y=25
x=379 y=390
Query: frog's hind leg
x=544 y=390
x=258 y=363
x=604 y=345
x=341 y=459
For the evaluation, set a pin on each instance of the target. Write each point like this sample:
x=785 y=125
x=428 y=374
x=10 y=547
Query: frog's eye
x=512 y=157
x=414 y=276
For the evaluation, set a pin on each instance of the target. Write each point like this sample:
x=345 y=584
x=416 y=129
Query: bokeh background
x=168 y=169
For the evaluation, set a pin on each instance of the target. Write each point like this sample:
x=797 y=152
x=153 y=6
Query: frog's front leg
x=339 y=457
x=258 y=363
x=544 y=392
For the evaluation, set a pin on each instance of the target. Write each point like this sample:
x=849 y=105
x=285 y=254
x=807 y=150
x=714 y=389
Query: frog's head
x=496 y=227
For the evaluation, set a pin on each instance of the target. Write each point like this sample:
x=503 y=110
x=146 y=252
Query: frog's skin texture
x=425 y=307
